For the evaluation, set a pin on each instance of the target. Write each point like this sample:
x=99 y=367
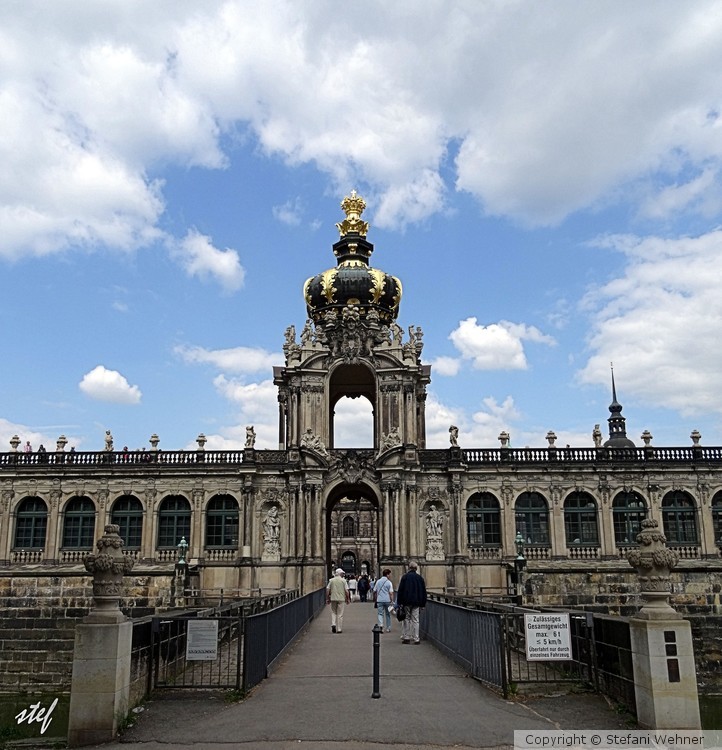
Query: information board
x=202 y=640
x=547 y=636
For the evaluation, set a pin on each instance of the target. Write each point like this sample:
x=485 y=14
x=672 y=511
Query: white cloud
x=37 y=436
x=289 y=213
x=257 y=405
x=546 y=111
x=240 y=359
x=481 y=430
x=102 y=384
x=703 y=194
x=497 y=346
x=199 y=258
x=659 y=323
x=446 y=366
x=353 y=423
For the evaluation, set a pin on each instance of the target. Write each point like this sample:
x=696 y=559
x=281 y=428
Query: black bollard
x=377 y=630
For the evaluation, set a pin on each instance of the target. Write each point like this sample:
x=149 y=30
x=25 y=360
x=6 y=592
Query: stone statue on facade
x=306 y=334
x=434 y=534
x=250 y=436
x=597 y=436
x=392 y=440
x=434 y=523
x=108 y=441
x=290 y=347
x=454 y=435
x=313 y=442
x=272 y=533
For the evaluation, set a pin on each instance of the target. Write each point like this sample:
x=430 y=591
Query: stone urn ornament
x=108 y=567
x=653 y=562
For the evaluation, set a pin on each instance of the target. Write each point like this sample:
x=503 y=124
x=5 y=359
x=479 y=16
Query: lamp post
x=519 y=565
x=182 y=549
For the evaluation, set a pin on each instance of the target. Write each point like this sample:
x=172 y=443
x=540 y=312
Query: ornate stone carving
x=653 y=563
x=392 y=440
x=313 y=442
x=272 y=534
x=290 y=347
x=250 y=436
x=434 y=534
x=108 y=567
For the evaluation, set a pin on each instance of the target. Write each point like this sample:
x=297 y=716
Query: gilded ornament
x=379 y=279
x=327 y=287
x=306 y=293
x=353 y=206
x=399 y=292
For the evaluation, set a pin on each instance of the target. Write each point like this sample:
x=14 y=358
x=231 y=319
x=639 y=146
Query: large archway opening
x=352 y=397
x=352 y=531
x=353 y=423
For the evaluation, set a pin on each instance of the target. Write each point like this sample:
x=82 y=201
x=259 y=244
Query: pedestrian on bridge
x=384 y=598
x=412 y=594
x=337 y=595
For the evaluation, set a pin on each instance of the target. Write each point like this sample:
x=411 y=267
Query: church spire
x=617 y=423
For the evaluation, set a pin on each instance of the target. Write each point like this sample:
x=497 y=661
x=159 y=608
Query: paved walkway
x=320 y=696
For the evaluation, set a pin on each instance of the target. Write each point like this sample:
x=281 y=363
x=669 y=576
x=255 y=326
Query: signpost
x=548 y=636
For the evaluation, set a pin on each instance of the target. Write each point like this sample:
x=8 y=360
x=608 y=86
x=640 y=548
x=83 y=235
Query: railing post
x=377 y=647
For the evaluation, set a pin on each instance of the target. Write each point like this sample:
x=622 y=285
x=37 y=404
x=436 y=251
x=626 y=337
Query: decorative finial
x=353 y=206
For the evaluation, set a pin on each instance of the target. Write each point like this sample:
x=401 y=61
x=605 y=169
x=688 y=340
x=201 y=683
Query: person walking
x=337 y=596
x=384 y=597
x=363 y=587
x=412 y=594
x=352 y=584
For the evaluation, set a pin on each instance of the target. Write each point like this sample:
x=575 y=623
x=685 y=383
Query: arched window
x=174 y=521
x=717 y=517
x=348 y=526
x=79 y=524
x=222 y=522
x=127 y=513
x=580 y=520
x=483 y=520
x=628 y=512
x=31 y=523
x=532 y=518
x=679 y=517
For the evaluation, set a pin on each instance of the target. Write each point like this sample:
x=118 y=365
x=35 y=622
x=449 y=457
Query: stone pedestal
x=100 y=686
x=101 y=682
x=665 y=678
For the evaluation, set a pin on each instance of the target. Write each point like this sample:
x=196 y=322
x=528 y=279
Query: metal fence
x=488 y=639
x=251 y=633
x=268 y=634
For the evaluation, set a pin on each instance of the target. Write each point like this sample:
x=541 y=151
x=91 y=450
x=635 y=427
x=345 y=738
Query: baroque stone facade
x=272 y=519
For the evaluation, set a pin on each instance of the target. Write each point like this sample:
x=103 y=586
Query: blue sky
x=544 y=178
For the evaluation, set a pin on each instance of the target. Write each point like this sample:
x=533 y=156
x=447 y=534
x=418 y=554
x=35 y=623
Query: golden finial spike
x=353 y=206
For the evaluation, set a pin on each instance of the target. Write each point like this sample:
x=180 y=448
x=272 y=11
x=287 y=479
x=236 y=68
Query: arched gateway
x=352 y=347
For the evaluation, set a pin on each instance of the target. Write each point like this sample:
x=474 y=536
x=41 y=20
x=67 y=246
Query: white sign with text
x=547 y=636
x=202 y=640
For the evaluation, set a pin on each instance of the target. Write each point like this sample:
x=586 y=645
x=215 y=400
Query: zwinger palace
x=553 y=523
